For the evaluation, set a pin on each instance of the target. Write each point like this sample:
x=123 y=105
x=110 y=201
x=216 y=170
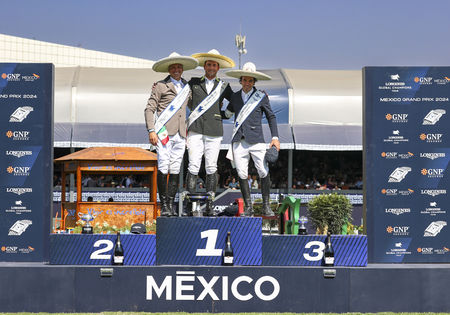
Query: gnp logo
x=184 y=287
x=10 y=249
x=395 y=155
x=433 y=172
x=425 y=250
x=11 y=76
x=18 y=135
x=397 y=118
x=19 y=170
x=398 y=230
x=423 y=80
x=396 y=192
x=431 y=137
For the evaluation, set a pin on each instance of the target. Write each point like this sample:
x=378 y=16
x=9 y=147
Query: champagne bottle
x=118 y=251
x=228 y=256
x=328 y=252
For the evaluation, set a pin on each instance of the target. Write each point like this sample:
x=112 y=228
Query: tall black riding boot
x=211 y=182
x=265 y=192
x=172 y=188
x=161 y=180
x=191 y=182
x=245 y=190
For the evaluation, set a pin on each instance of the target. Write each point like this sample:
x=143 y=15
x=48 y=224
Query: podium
x=199 y=241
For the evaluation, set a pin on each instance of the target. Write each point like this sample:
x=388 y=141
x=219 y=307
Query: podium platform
x=197 y=241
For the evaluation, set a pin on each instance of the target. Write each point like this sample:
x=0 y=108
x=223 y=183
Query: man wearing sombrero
x=248 y=105
x=168 y=133
x=205 y=130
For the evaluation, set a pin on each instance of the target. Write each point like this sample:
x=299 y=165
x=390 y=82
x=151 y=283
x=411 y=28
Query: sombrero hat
x=248 y=70
x=214 y=55
x=162 y=65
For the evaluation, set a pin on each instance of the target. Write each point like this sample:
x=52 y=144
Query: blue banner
x=26 y=160
x=407 y=142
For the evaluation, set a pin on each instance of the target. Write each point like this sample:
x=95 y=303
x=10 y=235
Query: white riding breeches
x=199 y=145
x=171 y=155
x=242 y=151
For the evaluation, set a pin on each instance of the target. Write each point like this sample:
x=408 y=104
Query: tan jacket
x=163 y=92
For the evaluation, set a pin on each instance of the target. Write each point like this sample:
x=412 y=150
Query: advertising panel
x=26 y=163
x=407 y=142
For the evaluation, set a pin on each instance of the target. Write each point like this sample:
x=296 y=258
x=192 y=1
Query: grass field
x=183 y=313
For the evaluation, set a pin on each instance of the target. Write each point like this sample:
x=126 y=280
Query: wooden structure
x=108 y=161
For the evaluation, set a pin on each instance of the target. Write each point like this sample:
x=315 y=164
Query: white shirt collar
x=245 y=96
x=175 y=81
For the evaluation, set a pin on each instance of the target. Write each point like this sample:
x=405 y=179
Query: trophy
x=87 y=228
x=302 y=229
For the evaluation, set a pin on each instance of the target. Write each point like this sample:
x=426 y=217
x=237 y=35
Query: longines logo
x=19 y=190
x=433 y=209
x=395 y=138
x=21 y=135
x=19 y=154
x=432 y=156
x=397 y=211
x=431 y=137
x=182 y=287
x=433 y=192
x=398 y=230
x=397 y=118
x=399 y=249
x=19 y=170
x=433 y=172
x=395 y=84
x=18 y=208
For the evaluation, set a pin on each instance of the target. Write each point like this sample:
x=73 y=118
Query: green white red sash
x=168 y=113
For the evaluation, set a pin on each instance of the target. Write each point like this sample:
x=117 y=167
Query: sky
x=297 y=34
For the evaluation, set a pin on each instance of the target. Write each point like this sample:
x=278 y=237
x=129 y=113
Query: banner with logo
x=26 y=160
x=407 y=150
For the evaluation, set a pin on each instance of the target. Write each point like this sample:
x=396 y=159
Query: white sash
x=246 y=110
x=172 y=108
x=205 y=104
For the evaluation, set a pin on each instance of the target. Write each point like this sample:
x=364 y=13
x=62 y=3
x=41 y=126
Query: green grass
x=184 y=313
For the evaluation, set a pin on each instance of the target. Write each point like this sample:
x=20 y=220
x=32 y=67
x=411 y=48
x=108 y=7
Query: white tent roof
x=325 y=109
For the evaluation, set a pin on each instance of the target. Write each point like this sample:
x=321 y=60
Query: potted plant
x=330 y=212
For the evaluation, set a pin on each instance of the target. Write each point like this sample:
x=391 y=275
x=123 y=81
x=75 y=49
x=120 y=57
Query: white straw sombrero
x=248 y=70
x=214 y=55
x=162 y=65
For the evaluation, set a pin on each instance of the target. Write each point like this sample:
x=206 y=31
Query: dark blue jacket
x=251 y=129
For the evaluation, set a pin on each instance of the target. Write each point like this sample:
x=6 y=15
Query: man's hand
x=276 y=143
x=152 y=136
